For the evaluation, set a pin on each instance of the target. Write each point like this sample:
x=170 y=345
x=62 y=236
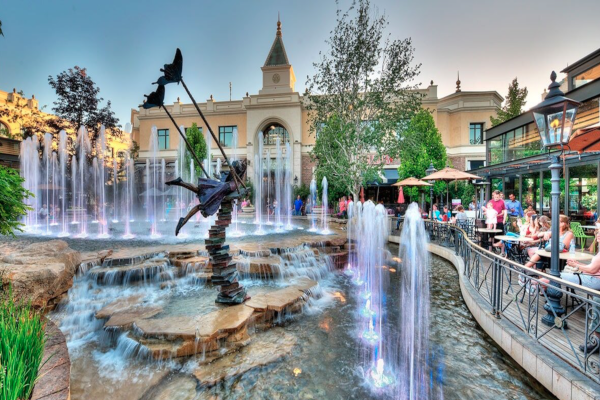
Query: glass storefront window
x=583 y=186
x=548 y=194
x=513 y=145
x=496 y=150
x=530 y=191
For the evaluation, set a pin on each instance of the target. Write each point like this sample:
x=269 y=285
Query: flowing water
x=324 y=363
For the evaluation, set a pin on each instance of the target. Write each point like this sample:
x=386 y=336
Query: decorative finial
x=211 y=98
x=246 y=94
x=278 y=25
x=33 y=96
x=554 y=87
x=458 y=83
x=179 y=101
x=431 y=83
x=14 y=90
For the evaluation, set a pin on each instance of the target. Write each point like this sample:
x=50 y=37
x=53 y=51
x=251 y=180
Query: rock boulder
x=40 y=272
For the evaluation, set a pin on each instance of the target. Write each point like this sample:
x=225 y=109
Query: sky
x=123 y=44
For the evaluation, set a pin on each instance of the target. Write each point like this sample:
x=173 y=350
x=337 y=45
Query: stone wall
x=307 y=169
x=459 y=163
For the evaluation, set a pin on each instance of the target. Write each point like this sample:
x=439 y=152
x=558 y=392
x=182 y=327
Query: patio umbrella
x=412 y=182
x=586 y=139
x=400 y=196
x=409 y=182
x=449 y=175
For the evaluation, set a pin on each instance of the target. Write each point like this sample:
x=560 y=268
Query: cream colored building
x=14 y=101
x=277 y=110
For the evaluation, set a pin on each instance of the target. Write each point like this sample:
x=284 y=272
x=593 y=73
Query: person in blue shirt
x=514 y=211
x=297 y=206
x=437 y=216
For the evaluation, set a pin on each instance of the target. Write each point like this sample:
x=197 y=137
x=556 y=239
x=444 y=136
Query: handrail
x=516 y=293
x=534 y=271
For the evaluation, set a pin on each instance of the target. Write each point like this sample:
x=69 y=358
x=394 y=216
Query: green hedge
x=21 y=347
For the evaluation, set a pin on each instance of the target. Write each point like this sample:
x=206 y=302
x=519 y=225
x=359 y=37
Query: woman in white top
x=589 y=276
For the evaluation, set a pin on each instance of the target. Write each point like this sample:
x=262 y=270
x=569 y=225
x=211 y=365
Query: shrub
x=21 y=347
x=12 y=197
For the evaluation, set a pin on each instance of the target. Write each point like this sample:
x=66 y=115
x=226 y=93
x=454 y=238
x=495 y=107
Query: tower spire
x=278 y=25
x=458 y=82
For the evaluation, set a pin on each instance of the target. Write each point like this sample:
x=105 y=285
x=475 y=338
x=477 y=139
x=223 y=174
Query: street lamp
x=555 y=117
x=430 y=171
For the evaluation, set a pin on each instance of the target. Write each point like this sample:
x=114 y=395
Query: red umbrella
x=400 y=196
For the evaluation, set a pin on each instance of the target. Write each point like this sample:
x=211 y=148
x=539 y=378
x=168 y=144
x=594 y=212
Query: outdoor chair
x=580 y=234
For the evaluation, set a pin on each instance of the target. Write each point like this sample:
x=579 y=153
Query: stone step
x=153 y=270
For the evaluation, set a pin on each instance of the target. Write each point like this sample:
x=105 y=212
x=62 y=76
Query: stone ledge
x=55 y=370
x=564 y=381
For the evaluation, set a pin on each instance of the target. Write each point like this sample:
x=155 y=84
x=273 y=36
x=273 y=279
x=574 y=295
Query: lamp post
x=555 y=117
x=430 y=171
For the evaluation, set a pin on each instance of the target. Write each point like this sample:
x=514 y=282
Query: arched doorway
x=275 y=174
x=274 y=131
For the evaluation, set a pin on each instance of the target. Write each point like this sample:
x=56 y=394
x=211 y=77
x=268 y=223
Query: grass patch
x=21 y=347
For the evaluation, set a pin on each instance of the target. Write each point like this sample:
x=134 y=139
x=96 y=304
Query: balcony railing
x=524 y=304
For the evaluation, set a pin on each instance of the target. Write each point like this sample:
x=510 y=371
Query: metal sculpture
x=215 y=196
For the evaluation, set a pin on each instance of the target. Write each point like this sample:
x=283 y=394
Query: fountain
x=30 y=171
x=278 y=180
x=83 y=149
x=152 y=179
x=128 y=197
x=63 y=155
x=163 y=173
x=313 y=203
x=325 y=208
x=115 y=185
x=414 y=318
x=269 y=194
x=287 y=184
x=258 y=192
x=101 y=194
x=47 y=157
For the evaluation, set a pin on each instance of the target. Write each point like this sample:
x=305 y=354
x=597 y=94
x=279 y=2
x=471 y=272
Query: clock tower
x=278 y=74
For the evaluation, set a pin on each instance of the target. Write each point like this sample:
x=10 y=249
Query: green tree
x=196 y=138
x=421 y=146
x=359 y=97
x=79 y=104
x=513 y=104
x=12 y=198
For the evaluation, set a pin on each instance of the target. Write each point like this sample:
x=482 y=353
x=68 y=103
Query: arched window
x=4 y=131
x=272 y=132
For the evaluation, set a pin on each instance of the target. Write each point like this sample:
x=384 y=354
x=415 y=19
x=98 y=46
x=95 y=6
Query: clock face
x=276 y=78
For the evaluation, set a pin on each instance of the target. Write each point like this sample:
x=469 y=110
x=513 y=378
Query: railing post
x=495 y=289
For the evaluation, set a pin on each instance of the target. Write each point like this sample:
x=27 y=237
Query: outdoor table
x=565 y=256
x=485 y=238
x=514 y=252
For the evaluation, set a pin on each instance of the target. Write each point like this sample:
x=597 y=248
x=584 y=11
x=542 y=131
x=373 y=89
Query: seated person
x=588 y=276
x=564 y=241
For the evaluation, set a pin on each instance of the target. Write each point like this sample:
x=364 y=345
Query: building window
x=163 y=139
x=476 y=133
x=586 y=77
x=273 y=132
x=226 y=135
x=475 y=164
